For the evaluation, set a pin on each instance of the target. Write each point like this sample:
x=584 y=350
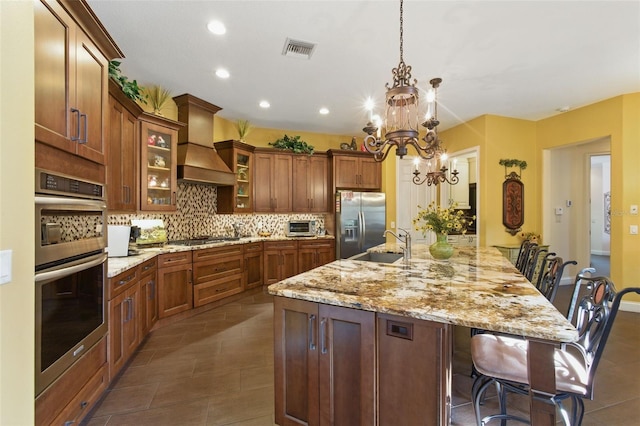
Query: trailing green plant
x=513 y=163
x=294 y=144
x=243 y=127
x=158 y=96
x=129 y=88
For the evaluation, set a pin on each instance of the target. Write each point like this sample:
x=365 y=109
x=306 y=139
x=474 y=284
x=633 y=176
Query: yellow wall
x=617 y=118
x=224 y=129
x=16 y=212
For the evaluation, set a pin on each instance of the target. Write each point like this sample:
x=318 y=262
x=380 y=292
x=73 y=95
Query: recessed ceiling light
x=222 y=73
x=217 y=27
x=563 y=108
x=264 y=104
x=324 y=111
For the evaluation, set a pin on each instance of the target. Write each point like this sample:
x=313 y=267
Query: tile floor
x=216 y=368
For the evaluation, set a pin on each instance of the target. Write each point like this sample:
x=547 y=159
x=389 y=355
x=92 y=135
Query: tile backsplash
x=196 y=216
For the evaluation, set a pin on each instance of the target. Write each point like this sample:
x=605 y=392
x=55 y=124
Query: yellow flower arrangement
x=440 y=220
x=530 y=236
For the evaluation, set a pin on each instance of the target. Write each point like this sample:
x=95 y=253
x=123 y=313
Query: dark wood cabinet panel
x=413 y=354
x=217 y=273
x=73 y=395
x=123 y=327
x=253 y=265
x=310 y=183
x=71 y=84
x=324 y=364
x=148 y=296
x=280 y=260
x=123 y=135
x=355 y=170
x=175 y=286
x=312 y=254
x=272 y=188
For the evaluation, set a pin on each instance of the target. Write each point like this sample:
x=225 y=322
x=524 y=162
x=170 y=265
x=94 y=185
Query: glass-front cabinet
x=158 y=163
x=239 y=157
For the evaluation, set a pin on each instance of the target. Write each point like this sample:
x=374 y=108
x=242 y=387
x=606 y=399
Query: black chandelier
x=401 y=120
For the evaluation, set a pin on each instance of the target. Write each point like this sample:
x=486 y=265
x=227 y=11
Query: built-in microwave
x=301 y=228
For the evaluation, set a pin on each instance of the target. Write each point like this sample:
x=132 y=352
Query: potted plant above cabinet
x=238 y=156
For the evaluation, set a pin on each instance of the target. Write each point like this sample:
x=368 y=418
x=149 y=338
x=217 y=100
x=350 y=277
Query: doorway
x=600 y=211
x=567 y=202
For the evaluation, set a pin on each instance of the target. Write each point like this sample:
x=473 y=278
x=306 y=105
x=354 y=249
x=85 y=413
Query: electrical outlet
x=393 y=225
x=633 y=229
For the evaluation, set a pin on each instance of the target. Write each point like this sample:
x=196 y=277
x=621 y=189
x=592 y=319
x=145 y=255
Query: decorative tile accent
x=196 y=215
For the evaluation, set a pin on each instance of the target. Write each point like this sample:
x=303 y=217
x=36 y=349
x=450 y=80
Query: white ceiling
x=522 y=59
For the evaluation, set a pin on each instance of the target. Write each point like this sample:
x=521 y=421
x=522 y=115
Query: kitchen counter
x=477 y=288
x=117 y=265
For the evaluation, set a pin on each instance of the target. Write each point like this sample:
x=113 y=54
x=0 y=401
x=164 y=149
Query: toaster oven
x=301 y=228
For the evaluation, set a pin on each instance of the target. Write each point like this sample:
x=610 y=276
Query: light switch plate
x=5 y=266
x=633 y=209
x=633 y=229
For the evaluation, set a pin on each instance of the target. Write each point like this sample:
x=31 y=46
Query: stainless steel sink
x=377 y=257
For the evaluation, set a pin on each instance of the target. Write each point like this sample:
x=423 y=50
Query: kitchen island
x=370 y=343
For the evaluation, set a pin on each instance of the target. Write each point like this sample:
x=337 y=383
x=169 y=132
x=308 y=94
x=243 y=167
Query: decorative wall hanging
x=513 y=197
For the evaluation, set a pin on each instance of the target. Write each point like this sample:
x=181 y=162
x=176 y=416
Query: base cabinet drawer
x=217 y=289
x=73 y=394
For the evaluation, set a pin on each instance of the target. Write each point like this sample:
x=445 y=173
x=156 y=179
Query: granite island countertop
x=477 y=288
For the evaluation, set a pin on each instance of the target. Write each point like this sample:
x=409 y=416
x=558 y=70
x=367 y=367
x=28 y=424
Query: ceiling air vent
x=298 y=49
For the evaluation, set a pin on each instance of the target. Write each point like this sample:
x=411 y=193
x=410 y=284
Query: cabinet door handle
x=173 y=198
x=152 y=296
x=126 y=279
x=312 y=341
x=77 y=112
x=323 y=336
x=86 y=120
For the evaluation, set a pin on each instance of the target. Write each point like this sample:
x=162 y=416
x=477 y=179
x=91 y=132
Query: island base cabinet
x=324 y=364
x=414 y=377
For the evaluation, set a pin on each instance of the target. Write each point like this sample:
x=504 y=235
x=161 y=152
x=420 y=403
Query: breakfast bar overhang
x=476 y=288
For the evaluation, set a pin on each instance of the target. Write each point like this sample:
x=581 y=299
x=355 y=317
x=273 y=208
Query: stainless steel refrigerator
x=360 y=222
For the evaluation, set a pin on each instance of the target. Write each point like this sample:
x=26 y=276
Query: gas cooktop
x=201 y=240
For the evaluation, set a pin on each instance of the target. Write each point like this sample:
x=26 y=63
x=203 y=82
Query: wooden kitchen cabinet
x=124 y=325
x=123 y=137
x=72 y=53
x=238 y=156
x=158 y=162
x=355 y=170
x=148 y=296
x=314 y=253
x=324 y=364
x=280 y=260
x=68 y=400
x=310 y=183
x=175 y=286
x=218 y=272
x=272 y=184
x=253 y=265
x=413 y=354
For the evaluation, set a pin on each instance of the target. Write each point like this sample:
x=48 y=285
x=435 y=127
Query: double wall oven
x=70 y=273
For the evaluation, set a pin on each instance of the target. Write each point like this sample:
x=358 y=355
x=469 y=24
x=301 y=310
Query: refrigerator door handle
x=363 y=229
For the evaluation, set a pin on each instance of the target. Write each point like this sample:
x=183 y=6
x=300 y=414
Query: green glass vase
x=441 y=249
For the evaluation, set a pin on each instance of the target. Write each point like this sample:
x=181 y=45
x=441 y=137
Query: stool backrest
x=551 y=275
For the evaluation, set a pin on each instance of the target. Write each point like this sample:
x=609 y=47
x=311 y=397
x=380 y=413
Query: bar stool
x=502 y=360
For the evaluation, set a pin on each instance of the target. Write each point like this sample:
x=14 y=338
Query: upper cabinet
x=158 y=163
x=238 y=156
x=72 y=54
x=310 y=183
x=355 y=170
x=123 y=137
x=273 y=174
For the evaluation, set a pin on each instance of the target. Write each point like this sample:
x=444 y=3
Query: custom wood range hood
x=198 y=161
